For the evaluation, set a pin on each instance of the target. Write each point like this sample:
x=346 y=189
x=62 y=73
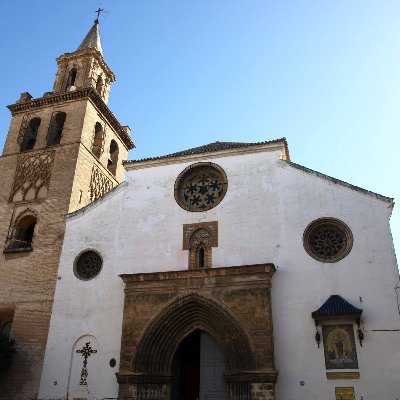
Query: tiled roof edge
x=342 y=183
x=96 y=202
x=179 y=154
x=336 y=305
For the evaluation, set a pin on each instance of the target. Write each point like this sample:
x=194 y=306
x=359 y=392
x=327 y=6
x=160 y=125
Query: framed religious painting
x=339 y=347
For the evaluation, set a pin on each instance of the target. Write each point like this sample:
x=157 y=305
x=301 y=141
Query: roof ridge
x=208 y=148
x=340 y=182
x=336 y=306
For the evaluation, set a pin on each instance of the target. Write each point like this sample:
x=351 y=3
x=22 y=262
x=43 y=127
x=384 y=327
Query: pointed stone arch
x=231 y=304
x=180 y=317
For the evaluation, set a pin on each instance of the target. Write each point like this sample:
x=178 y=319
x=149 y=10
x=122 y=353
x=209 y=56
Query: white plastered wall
x=139 y=228
x=302 y=284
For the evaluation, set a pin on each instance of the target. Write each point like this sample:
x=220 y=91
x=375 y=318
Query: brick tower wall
x=75 y=177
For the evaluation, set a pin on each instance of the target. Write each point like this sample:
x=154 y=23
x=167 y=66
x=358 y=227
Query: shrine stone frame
x=231 y=304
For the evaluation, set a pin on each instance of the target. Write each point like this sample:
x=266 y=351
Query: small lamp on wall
x=317 y=337
x=317 y=334
x=360 y=333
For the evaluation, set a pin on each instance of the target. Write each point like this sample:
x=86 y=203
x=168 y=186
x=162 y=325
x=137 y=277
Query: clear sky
x=324 y=74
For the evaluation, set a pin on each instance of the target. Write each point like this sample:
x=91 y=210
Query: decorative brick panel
x=99 y=184
x=32 y=177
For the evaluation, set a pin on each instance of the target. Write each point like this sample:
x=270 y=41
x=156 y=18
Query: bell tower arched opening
x=31 y=131
x=71 y=78
x=99 y=85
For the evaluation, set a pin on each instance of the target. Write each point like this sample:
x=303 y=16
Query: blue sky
x=324 y=74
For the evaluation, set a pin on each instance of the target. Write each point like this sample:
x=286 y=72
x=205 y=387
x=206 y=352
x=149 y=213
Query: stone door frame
x=231 y=304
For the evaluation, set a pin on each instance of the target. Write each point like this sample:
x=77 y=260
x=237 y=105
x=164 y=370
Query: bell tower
x=85 y=67
x=63 y=150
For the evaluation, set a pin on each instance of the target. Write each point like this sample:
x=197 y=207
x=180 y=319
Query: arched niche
x=84 y=377
x=22 y=232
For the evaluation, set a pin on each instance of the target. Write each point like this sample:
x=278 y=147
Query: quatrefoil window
x=88 y=265
x=200 y=187
x=328 y=240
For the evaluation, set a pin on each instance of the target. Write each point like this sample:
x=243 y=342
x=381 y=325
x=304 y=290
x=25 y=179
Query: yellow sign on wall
x=344 y=393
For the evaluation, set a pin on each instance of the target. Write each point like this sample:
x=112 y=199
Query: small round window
x=88 y=265
x=328 y=240
x=200 y=187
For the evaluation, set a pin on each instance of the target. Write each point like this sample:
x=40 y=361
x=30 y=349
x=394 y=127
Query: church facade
x=225 y=271
x=279 y=254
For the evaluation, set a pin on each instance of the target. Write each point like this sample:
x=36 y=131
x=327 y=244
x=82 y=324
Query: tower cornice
x=88 y=93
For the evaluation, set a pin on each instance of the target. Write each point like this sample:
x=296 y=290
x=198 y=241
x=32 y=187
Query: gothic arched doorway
x=173 y=321
x=198 y=369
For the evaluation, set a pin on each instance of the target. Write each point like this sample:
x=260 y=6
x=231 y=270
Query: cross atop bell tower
x=98 y=12
x=85 y=67
x=92 y=39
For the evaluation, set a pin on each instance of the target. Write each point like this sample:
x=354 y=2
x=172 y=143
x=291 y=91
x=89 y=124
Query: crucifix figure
x=98 y=14
x=86 y=351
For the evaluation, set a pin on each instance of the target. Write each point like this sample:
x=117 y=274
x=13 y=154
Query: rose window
x=88 y=265
x=328 y=240
x=200 y=187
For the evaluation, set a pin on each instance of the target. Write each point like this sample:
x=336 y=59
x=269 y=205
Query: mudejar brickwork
x=63 y=150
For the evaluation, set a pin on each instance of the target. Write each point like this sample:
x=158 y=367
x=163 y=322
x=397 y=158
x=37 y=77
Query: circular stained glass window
x=200 y=187
x=328 y=240
x=88 y=265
